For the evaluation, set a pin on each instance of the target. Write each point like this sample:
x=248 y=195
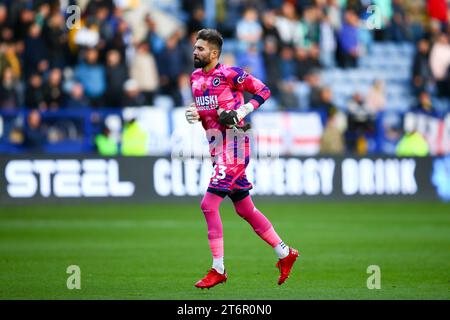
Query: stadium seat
x=390 y=62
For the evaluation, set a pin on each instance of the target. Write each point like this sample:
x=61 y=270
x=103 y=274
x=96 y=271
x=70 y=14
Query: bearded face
x=202 y=54
x=200 y=62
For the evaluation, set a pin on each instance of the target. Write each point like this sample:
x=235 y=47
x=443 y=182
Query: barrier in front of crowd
x=289 y=132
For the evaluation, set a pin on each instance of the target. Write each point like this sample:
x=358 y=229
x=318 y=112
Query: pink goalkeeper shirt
x=223 y=87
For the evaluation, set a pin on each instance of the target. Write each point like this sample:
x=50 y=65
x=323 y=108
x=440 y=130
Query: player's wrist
x=244 y=110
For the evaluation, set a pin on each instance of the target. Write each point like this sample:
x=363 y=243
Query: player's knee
x=206 y=206
x=245 y=212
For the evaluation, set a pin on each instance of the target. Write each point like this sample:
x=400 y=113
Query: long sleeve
x=243 y=81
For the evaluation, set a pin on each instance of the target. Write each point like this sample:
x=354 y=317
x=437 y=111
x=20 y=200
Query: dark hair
x=212 y=36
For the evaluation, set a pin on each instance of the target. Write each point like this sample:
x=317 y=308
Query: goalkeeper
x=219 y=105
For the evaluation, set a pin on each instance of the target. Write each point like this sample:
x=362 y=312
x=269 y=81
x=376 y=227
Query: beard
x=199 y=63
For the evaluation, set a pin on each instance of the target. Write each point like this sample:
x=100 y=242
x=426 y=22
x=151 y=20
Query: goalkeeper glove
x=192 y=114
x=233 y=117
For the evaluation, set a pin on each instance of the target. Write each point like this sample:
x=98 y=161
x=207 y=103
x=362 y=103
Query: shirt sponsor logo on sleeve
x=241 y=78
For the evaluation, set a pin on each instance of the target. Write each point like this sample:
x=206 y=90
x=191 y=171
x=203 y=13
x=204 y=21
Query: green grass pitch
x=160 y=251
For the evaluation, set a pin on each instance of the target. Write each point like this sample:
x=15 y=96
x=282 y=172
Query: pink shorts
x=229 y=178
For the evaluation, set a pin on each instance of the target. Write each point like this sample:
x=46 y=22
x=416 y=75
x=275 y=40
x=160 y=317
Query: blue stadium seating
x=388 y=61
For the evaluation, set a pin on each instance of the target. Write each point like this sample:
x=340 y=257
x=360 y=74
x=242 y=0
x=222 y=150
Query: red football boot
x=285 y=265
x=211 y=279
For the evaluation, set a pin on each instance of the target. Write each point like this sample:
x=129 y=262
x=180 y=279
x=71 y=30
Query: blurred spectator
x=272 y=63
x=306 y=61
x=42 y=12
x=11 y=88
x=4 y=22
x=106 y=144
x=116 y=74
x=270 y=32
x=190 y=6
x=134 y=140
x=309 y=28
x=253 y=62
x=25 y=20
x=77 y=100
x=416 y=17
x=315 y=89
x=412 y=144
x=114 y=19
x=425 y=105
x=53 y=93
x=366 y=40
x=93 y=5
x=324 y=101
x=36 y=52
x=9 y=58
x=132 y=96
x=187 y=45
x=221 y=18
x=196 y=20
x=35 y=136
x=358 y=6
x=144 y=70
x=392 y=133
x=422 y=75
x=156 y=42
x=57 y=40
x=348 y=50
x=171 y=64
x=359 y=116
x=184 y=93
x=327 y=43
x=229 y=12
x=375 y=100
x=385 y=11
x=440 y=63
x=360 y=124
x=287 y=24
x=332 y=141
x=100 y=20
x=434 y=30
x=16 y=136
x=399 y=29
x=288 y=65
x=34 y=93
x=248 y=30
x=288 y=98
x=91 y=75
x=122 y=41
x=438 y=9
x=8 y=93
x=333 y=13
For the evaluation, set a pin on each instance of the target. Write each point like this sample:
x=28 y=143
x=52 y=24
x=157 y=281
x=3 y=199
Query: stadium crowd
x=130 y=53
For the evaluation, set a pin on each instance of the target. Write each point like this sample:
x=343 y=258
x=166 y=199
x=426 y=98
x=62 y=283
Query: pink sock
x=210 y=207
x=262 y=226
